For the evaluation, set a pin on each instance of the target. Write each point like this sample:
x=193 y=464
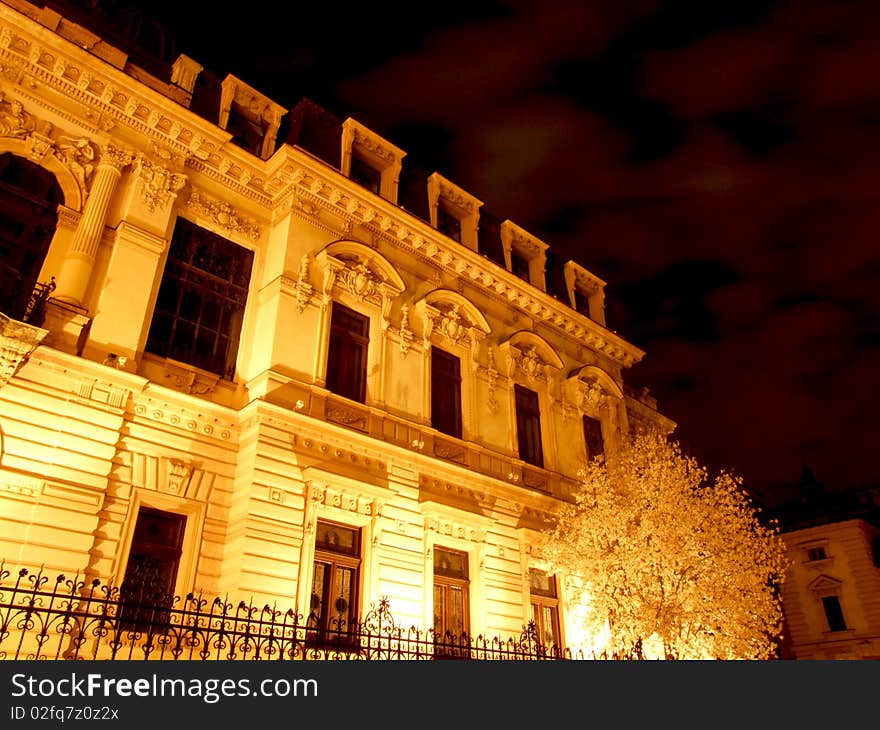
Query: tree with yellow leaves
x=668 y=558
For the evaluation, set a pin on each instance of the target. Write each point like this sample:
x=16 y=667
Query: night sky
x=717 y=163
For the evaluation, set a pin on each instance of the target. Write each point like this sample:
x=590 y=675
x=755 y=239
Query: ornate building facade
x=254 y=348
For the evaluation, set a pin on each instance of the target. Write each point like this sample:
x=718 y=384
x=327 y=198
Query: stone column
x=76 y=270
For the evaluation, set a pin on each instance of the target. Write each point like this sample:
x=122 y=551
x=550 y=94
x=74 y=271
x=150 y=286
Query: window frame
x=597 y=428
x=524 y=438
x=447 y=643
x=325 y=632
x=454 y=412
x=539 y=601
x=348 y=340
x=182 y=280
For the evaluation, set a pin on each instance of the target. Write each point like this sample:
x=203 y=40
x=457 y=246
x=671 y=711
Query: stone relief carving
x=223 y=214
x=159 y=185
x=14 y=120
x=17 y=341
x=303 y=286
x=405 y=333
x=360 y=281
x=492 y=378
x=79 y=156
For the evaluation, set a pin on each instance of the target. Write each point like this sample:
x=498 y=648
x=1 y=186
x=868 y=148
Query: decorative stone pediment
x=361 y=272
x=825 y=585
x=449 y=317
x=530 y=356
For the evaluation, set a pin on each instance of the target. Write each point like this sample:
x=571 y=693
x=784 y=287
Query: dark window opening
x=445 y=392
x=544 y=610
x=451 y=609
x=365 y=175
x=147 y=591
x=833 y=613
x=519 y=265
x=582 y=302
x=347 y=353
x=333 y=606
x=246 y=133
x=448 y=224
x=528 y=426
x=593 y=437
x=816 y=553
x=201 y=301
x=29 y=199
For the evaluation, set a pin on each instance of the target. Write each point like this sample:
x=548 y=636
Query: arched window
x=29 y=199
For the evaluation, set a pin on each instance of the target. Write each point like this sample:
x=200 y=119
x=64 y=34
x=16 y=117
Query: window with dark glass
x=201 y=300
x=519 y=265
x=29 y=199
x=833 y=613
x=445 y=392
x=365 y=175
x=347 y=354
x=246 y=132
x=147 y=589
x=593 y=437
x=816 y=553
x=544 y=609
x=528 y=426
x=451 y=623
x=333 y=605
x=582 y=302
x=448 y=224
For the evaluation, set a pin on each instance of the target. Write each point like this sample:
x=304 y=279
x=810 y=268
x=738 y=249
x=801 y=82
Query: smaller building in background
x=831 y=594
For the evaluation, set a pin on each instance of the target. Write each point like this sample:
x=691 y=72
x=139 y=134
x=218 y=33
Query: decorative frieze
x=223 y=215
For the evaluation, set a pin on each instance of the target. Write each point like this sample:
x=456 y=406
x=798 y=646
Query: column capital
x=115 y=157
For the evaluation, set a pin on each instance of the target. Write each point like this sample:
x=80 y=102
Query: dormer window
x=524 y=255
x=365 y=175
x=586 y=292
x=370 y=161
x=519 y=265
x=251 y=117
x=448 y=224
x=453 y=211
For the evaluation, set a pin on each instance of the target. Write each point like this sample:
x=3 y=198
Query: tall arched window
x=29 y=199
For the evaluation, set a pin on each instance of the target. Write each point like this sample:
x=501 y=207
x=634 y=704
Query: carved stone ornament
x=79 y=156
x=115 y=157
x=531 y=364
x=159 y=186
x=303 y=286
x=592 y=396
x=492 y=378
x=405 y=333
x=360 y=281
x=189 y=381
x=223 y=214
x=14 y=120
x=17 y=341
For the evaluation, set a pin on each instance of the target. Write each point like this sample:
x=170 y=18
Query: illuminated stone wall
x=837 y=561
x=94 y=427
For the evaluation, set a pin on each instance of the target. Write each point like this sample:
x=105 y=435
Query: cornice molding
x=317 y=185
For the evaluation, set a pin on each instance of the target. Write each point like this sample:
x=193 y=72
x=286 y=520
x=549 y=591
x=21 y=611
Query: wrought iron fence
x=56 y=617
